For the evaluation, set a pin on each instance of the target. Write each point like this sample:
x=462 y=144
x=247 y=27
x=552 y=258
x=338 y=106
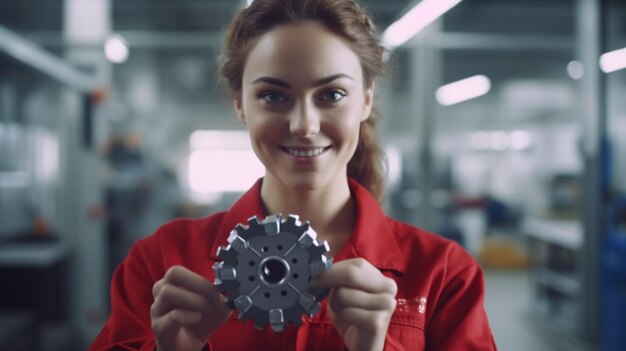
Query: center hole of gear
x=273 y=271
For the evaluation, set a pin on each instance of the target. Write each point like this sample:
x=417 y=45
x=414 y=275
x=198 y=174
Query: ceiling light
x=519 y=140
x=116 y=49
x=480 y=140
x=421 y=15
x=575 y=69
x=462 y=90
x=613 y=61
x=499 y=140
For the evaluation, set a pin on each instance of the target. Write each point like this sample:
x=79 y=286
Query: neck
x=330 y=209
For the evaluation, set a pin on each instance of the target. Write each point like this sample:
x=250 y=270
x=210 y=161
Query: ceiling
x=508 y=40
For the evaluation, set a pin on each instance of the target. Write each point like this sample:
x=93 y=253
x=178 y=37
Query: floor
x=509 y=307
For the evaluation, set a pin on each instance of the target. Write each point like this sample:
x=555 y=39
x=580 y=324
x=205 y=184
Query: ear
x=369 y=100
x=238 y=105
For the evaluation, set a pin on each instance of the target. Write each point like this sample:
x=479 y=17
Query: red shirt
x=440 y=286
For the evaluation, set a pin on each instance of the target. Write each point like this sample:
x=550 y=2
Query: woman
x=302 y=74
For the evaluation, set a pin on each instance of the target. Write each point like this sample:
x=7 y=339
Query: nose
x=304 y=120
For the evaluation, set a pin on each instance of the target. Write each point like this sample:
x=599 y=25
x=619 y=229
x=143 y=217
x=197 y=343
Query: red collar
x=372 y=238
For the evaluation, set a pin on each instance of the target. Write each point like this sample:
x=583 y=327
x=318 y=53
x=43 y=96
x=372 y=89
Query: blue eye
x=333 y=95
x=273 y=97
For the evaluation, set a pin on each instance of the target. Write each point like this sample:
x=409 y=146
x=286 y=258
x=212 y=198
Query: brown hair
x=346 y=19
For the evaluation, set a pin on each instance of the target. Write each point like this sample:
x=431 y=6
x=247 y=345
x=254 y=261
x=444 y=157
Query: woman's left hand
x=360 y=303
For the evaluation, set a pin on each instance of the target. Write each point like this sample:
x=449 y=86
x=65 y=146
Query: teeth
x=306 y=153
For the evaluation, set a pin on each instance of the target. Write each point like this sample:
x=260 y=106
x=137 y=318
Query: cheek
x=263 y=130
x=349 y=127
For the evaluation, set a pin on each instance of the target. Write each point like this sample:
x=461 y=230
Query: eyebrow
x=318 y=82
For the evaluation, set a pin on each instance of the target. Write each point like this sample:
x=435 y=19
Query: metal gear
x=266 y=270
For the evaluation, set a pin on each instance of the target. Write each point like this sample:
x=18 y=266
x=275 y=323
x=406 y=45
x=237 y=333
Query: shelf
x=566 y=233
x=561 y=282
x=32 y=254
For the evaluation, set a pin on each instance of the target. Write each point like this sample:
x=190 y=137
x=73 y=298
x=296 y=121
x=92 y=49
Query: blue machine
x=614 y=280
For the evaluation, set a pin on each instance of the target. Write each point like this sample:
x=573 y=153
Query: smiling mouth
x=305 y=153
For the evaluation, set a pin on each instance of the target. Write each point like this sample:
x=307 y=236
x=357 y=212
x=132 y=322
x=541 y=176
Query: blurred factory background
x=504 y=123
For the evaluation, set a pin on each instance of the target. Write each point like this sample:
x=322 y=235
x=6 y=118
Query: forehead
x=304 y=51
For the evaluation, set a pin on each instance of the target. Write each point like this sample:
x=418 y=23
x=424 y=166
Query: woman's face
x=303 y=99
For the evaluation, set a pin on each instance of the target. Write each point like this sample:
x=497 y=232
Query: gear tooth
x=243 y=303
x=320 y=266
x=312 y=232
x=306 y=240
x=254 y=221
x=314 y=309
x=277 y=319
x=293 y=219
x=239 y=244
x=271 y=225
x=226 y=273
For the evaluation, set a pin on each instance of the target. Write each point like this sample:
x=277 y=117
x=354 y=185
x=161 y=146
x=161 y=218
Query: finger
x=348 y=297
x=156 y=288
x=181 y=276
x=173 y=320
x=173 y=297
x=363 y=319
x=355 y=273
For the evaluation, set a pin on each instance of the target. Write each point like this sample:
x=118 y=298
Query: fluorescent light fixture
x=480 y=140
x=218 y=171
x=519 y=140
x=613 y=61
x=116 y=49
x=499 y=140
x=462 y=90
x=575 y=69
x=421 y=15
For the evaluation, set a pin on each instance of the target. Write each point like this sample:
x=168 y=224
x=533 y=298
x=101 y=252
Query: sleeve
x=129 y=326
x=459 y=321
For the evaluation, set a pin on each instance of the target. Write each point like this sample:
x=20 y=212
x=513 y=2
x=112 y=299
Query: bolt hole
x=251 y=278
x=267 y=295
x=296 y=276
x=284 y=293
x=251 y=263
x=265 y=249
x=294 y=260
x=279 y=247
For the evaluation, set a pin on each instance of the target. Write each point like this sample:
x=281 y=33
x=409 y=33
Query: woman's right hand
x=186 y=310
